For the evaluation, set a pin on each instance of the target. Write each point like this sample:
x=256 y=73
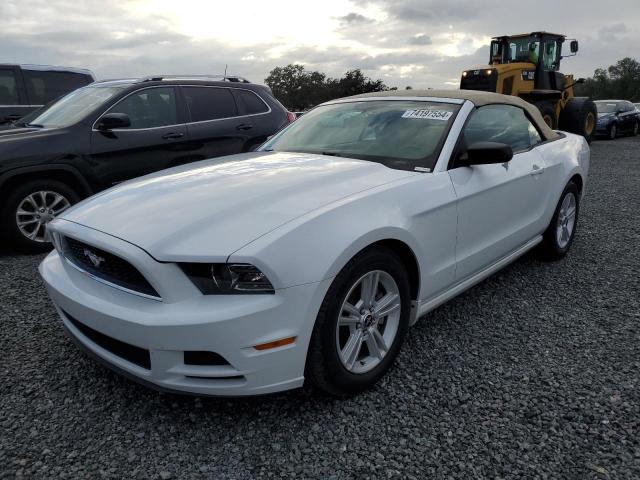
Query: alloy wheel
x=566 y=220
x=36 y=210
x=613 y=133
x=368 y=321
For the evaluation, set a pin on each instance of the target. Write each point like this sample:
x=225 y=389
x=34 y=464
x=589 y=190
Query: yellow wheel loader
x=527 y=66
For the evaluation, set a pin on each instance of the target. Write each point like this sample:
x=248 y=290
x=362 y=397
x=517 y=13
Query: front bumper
x=228 y=325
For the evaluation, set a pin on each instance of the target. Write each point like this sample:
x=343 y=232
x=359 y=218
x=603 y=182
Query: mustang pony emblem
x=95 y=259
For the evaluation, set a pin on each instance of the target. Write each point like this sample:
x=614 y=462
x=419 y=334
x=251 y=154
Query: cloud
x=353 y=17
x=420 y=39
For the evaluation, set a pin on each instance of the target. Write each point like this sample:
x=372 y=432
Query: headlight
x=227 y=278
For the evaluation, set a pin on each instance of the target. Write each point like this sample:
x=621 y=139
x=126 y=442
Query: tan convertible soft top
x=477 y=98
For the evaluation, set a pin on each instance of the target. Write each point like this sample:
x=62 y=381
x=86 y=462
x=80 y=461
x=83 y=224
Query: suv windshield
x=606 y=107
x=71 y=108
x=402 y=134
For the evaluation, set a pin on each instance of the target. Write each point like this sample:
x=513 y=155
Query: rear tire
x=548 y=114
x=329 y=365
x=17 y=200
x=579 y=116
x=559 y=235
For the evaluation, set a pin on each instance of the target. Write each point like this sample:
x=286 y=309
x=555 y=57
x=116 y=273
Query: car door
x=500 y=206
x=629 y=116
x=156 y=138
x=215 y=127
x=13 y=101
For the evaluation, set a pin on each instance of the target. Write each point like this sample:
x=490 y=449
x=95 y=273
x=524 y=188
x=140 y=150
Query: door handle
x=244 y=126
x=168 y=136
x=536 y=170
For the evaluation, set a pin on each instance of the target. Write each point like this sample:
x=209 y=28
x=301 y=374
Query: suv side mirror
x=573 y=46
x=486 y=153
x=111 y=121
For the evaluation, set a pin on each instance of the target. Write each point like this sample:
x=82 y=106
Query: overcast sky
x=422 y=43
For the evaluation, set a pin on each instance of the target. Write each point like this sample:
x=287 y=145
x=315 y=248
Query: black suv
x=24 y=88
x=111 y=131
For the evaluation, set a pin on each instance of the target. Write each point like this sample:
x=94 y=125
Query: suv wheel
x=361 y=324
x=28 y=209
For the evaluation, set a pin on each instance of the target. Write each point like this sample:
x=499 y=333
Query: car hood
x=214 y=207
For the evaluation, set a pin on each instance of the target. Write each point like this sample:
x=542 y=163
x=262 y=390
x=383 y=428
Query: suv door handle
x=244 y=126
x=168 y=136
x=536 y=170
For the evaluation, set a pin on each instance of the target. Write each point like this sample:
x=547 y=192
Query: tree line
x=299 y=89
x=619 y=81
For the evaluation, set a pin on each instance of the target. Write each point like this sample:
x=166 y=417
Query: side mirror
x=112 y=121
x=573 y=46
x=486 y=153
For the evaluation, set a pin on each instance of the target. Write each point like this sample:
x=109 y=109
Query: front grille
x=479 y=81
x=107 y=266
x=130 y=353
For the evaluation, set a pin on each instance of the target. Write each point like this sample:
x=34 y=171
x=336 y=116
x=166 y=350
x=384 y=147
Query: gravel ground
x=533 y=373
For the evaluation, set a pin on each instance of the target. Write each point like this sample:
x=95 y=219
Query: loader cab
x=542 y=50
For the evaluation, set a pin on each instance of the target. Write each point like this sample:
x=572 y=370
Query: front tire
x=558 y=236
x=613 y=132
x=361 y=324
x=29 y=207
x=548 y=114
x=579 y=116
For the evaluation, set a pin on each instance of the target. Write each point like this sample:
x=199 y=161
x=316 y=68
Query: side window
x=249 y=103
x=209 y=103
x=502 y=124
x=8 y=88
x=549 y=58
x=44 y=86
x=149 y=108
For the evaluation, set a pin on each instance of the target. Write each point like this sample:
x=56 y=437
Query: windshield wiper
x=332 y=154
x=34 y=125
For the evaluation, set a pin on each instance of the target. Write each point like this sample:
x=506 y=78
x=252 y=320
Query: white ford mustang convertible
x=310 y=258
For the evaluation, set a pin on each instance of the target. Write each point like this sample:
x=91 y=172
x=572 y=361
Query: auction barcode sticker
x=428 y=114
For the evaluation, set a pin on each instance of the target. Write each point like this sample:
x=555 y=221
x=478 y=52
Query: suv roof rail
x=219 y=78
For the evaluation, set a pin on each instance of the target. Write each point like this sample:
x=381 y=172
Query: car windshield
x=606 y=107
x=402 y=134
x=71 y=108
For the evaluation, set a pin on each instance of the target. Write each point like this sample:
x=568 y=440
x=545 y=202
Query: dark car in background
x=616 y=117
x=24 y=88
x=112 y=131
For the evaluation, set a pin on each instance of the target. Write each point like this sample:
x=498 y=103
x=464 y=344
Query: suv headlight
x=227 y=278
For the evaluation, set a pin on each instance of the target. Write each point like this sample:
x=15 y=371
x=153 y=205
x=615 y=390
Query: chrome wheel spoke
x=387 y=304
x=28 y=222
x=346 y=321
x=376 y=344
x=352 y=349
x=347 y=307
x=369 y=288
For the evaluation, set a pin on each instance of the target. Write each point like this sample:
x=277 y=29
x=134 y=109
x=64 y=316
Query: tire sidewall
x=340 y=377
x=8 y=214
x=613 y=131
